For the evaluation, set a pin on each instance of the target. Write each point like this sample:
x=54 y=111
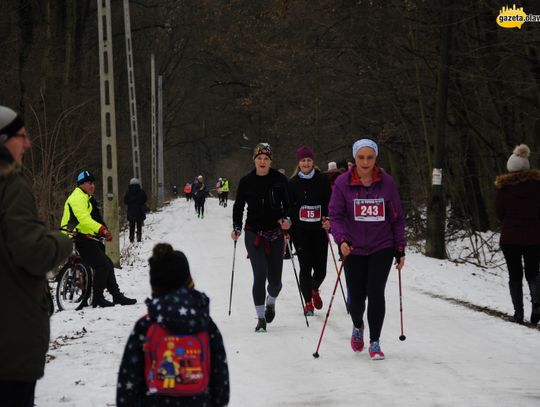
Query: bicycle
x=74 y=281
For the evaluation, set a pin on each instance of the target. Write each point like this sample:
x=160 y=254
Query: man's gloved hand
x=103 y=231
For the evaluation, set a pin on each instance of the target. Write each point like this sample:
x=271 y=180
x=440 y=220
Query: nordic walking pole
x=401 y=337
x=232 y=276
x=297 y=281
x=316 y=354
x=336 y=266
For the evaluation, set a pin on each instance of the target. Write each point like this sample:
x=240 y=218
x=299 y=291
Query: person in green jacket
x=28 y=250
x=81 y=215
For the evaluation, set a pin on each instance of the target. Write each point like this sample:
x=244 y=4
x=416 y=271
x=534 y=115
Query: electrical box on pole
x=161 y=191
x=132 y=96
x=154 y=198
x=108 y=128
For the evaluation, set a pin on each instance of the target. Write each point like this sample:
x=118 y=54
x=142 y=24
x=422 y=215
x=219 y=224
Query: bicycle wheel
x=74 y=286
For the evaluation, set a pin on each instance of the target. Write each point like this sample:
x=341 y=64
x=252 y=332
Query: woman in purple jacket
x=368 y=225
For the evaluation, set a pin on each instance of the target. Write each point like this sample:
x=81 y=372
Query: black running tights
x=366 y=278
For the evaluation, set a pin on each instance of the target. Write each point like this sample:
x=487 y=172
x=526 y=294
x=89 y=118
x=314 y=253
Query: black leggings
x=132 y=224
x=265 y=267
x=199 y=205
x=366 y=277
x=312 y=249
x=531 y=260
x=93 y=254
x=17 y=394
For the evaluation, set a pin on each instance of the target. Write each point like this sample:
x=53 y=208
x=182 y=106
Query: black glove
x=398 y=254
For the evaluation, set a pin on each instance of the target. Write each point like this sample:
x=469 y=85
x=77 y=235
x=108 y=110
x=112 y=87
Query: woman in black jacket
x=264 y=190
x=518 y=208
x=135 y=199
x=309 y=191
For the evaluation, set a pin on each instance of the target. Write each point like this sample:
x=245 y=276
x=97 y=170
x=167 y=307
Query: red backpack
x=176 y=365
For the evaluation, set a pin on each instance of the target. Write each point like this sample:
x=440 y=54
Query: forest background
x=436 y=83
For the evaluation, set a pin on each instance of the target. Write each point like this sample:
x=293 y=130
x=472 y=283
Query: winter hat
x=134 y=181
x=332 y=166
x=262 y=148
x=365 y=142
x=10 y=123
x=169 y=269
x=85 y=176
x=519 y=160
x=304 y=152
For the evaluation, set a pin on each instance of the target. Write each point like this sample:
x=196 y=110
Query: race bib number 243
x=369 y=210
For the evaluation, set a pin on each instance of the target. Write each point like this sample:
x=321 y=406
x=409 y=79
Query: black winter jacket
x=135 y=199
x=312 y=192
x=183 y=311
x=267 y=201
x=517 y=206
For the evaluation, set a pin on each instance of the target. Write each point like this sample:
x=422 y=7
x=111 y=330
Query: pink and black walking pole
x=401 y=337
x=316 y=354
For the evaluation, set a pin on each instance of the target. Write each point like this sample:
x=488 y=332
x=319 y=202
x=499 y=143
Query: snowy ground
x=452 y=356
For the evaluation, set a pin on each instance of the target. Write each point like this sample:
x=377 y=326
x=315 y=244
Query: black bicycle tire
x=85 y=295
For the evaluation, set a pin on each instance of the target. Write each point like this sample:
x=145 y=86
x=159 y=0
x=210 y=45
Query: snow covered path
x=452 y=356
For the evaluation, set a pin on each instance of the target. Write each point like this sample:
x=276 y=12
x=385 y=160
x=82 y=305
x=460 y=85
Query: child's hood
x=183 y=310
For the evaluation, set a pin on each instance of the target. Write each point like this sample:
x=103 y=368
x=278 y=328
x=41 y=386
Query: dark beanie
x=304 y=152
x=169 y=269
x=262 y=148
x=10 y=123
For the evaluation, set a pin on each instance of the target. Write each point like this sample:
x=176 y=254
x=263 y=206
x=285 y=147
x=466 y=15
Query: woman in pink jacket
x=368 y=225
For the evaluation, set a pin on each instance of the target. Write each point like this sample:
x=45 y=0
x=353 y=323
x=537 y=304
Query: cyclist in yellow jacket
x=81 y=215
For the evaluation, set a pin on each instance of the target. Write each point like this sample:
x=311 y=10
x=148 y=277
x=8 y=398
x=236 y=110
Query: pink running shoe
x=375 y=352
x=357 y=339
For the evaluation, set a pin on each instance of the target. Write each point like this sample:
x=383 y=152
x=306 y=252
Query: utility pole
x=436 y=216
x=161 y=192
x=153 y=200
x=132 y=96
x=108 y=128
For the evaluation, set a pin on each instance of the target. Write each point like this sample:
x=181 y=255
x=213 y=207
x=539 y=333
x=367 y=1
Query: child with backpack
x=175 y=355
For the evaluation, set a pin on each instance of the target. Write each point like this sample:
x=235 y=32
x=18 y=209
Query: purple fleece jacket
x=367 y=237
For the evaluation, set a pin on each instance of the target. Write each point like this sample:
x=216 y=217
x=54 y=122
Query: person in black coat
x=264 y=191
x=309 y=192
x=180 y=309
x=517 y=206
x=135 y=199
x=199 y=192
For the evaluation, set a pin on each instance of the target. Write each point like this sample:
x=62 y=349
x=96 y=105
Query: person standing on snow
x=187 y=191
x=27 y=252
x=309 y=192
x=218 y=190
x=135 y=199
x=264 y=190
x=517 y=206
x=224 y=191
x=368 y=225
x=183 y=311
x=200 y=191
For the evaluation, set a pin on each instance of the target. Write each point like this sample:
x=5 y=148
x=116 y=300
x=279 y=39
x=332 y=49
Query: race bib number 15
x=369 y=210
x=310 y=213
